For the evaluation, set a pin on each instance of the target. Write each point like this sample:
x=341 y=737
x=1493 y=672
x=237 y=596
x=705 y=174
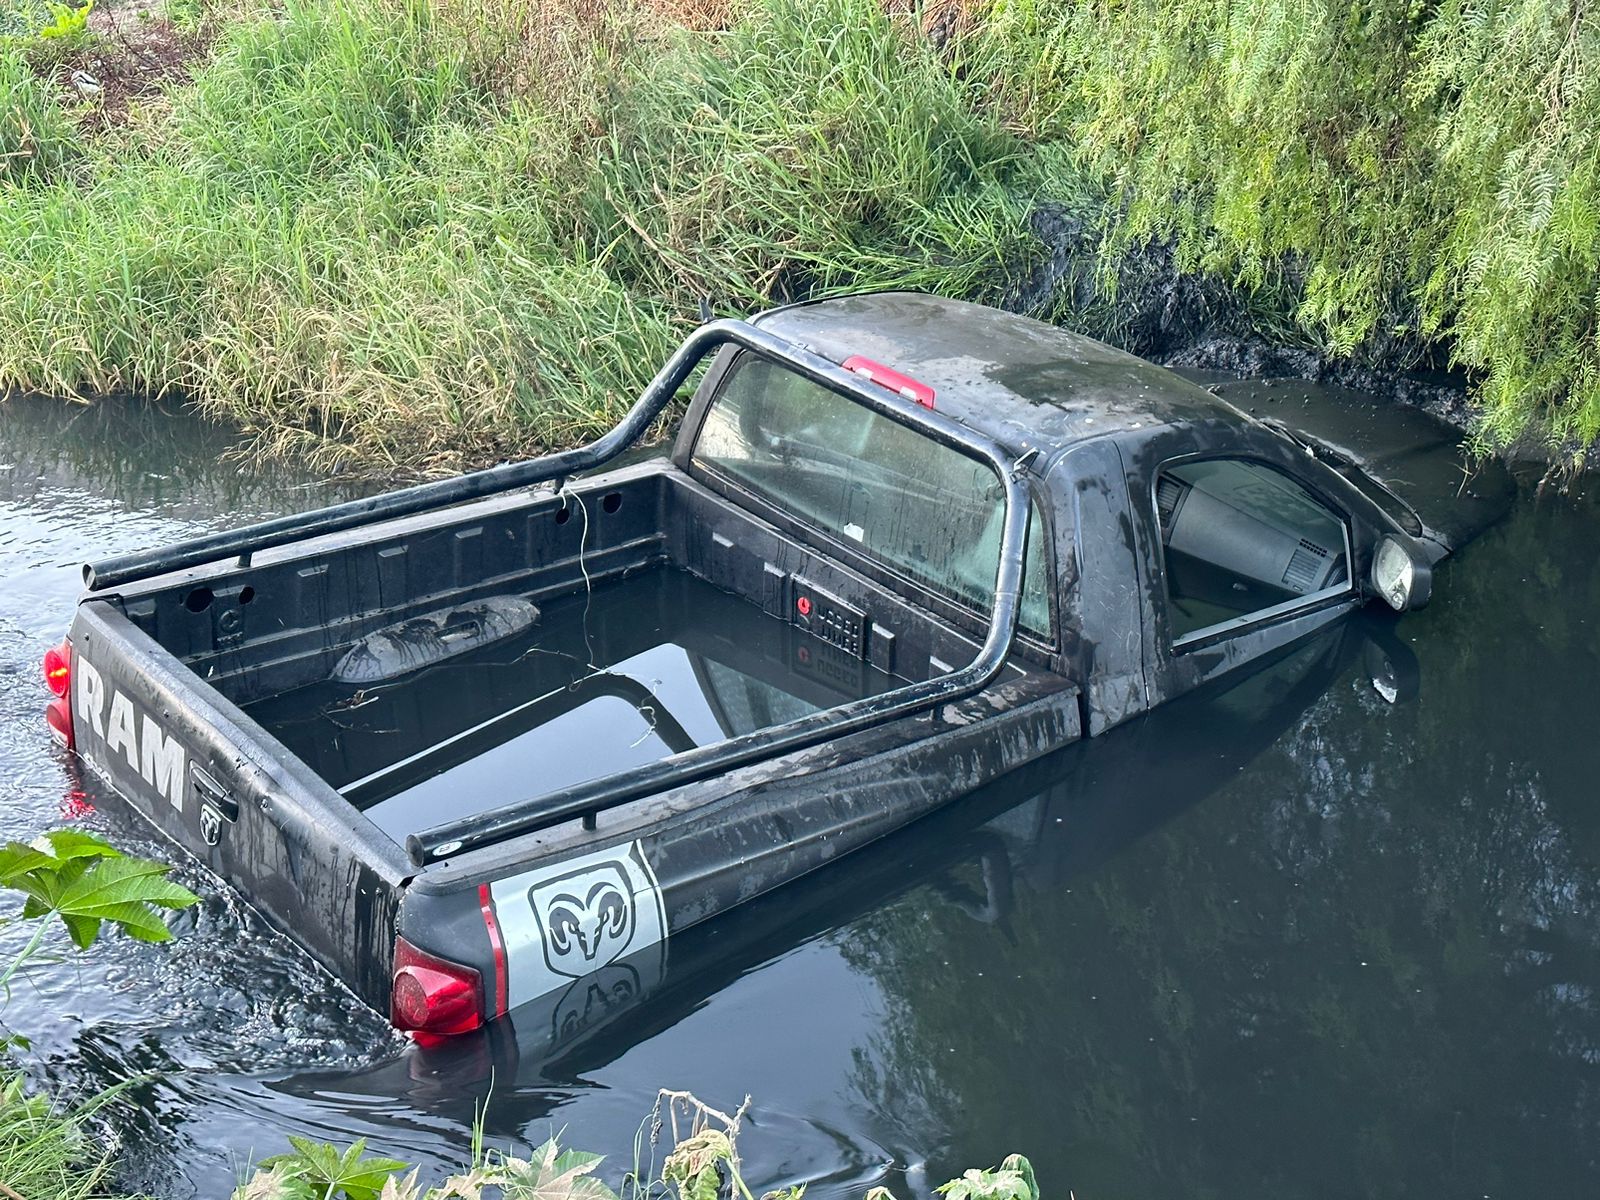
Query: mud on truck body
x=498 y=738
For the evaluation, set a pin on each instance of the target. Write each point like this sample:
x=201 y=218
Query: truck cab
x=1172 y=536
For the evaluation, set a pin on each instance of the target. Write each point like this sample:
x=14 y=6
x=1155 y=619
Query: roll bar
x=585 y=800
x=425 y=497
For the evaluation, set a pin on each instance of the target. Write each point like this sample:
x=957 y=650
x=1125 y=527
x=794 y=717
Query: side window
x=928 y=511
x=1242 y=539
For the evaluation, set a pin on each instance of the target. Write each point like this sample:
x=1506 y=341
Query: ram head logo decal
x=590 y=921
x=582 y=918
x=587 y=919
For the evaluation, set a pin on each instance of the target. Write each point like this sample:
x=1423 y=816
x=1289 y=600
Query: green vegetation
x=44 y=1150
x=420 y=233
x=1397 y=171
x=424 y=232
x=38 y=23
x=86 y=884
x=37 y=139
x=702 y=1164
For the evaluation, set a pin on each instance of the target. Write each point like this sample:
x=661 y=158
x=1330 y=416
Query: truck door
x=1244 y=555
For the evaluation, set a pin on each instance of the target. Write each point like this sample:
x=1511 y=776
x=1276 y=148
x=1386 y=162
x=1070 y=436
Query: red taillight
x=432 y=995
x=58 y=678
x=887 y=377
x=58 y=668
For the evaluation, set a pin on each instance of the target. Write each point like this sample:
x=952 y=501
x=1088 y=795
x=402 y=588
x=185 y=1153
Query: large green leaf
x=326 y=1172
x=87 y=882
x=125 y=891
x=68 y=844
x=17 y=860
x=1014 y=1180
x=50 y=851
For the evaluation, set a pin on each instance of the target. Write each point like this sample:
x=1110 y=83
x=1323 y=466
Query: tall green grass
x=818 y=146
x=36 y=138
x=428 y=231
x=44 y=1151
x=411 y=233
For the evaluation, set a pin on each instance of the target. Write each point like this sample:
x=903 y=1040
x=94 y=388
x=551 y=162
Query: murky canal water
x=1287 y=940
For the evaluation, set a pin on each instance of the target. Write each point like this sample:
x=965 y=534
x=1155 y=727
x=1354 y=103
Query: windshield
x=929 y=511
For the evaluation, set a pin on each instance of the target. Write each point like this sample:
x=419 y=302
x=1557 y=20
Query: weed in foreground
x=85 y=885
x=702 y=1163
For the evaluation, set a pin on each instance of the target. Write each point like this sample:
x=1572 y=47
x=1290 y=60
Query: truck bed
x=611 y=676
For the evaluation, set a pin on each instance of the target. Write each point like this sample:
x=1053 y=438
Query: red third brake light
x=58 y=678
x=432 y=995
x=886 y=377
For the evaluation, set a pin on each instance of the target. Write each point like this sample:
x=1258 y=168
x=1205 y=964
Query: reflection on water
x=611 y=677
x=1284 y=939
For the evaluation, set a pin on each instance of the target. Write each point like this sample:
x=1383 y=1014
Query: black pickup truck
x=479 y=741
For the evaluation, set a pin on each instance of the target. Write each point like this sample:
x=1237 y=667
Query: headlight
x=1398 y=578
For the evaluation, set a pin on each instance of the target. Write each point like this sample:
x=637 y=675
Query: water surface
x=611 y=676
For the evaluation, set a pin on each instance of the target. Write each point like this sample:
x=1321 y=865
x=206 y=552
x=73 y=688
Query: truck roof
x=1023 y=383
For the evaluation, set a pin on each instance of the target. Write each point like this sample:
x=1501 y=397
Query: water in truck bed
x=640 y=668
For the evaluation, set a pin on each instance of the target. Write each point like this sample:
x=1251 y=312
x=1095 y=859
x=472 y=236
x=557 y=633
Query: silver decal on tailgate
x=568 y=920
x=122 y=727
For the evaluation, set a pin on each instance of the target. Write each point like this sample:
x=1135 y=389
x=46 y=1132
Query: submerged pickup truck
x=484 y=740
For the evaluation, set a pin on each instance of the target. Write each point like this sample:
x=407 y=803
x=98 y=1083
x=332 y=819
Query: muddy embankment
x=1145 y=304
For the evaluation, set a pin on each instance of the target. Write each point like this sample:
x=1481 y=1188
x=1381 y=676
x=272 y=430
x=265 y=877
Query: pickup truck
x=486 y=740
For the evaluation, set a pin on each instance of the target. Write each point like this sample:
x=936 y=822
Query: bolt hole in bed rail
x=586 y=800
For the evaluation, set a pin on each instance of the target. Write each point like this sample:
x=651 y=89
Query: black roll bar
x=584 y=800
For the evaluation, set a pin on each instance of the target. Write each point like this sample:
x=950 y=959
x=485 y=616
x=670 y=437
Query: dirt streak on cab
x=900 y=547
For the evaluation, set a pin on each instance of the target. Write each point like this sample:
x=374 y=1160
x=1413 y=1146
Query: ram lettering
x=123 y=728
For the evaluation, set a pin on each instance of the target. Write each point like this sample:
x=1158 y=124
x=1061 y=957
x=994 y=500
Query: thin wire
x=648 y=711
x=588 y=584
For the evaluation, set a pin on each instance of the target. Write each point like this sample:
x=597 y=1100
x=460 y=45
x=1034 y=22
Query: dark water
x=609 y=677
x=1287 y=940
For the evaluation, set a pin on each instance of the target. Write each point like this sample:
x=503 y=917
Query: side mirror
x=1402 y=580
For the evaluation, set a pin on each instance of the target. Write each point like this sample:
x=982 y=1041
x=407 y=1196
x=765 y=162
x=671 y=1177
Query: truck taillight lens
x=58 y=678
x=58 y=669
x=432 y=995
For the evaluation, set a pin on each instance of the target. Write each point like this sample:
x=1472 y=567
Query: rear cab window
x=924 y=510
x=1244 y=543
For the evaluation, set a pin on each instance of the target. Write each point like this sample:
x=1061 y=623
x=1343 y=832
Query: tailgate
x=216 y=783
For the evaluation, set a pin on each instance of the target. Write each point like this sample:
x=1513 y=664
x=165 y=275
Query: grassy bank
x=417 y=232
x=426 y=232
